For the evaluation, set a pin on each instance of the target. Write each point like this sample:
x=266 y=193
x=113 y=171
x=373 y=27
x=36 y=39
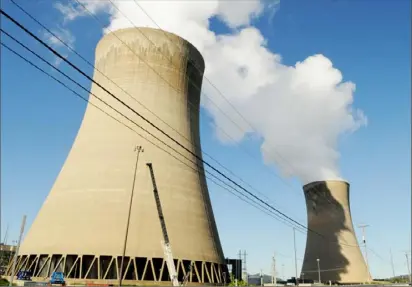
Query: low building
x=6 y=254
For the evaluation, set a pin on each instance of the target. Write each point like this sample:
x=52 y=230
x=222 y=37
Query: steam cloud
x=297 y=111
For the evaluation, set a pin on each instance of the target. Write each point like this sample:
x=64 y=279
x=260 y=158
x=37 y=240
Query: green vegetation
x=4 y=282
x=397 y=279
x=239 y=283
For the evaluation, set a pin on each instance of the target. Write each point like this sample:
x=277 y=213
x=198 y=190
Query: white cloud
x=69 y=11
x=63 y=35
x=57 y=61
x=239 y=13
x=298 y=111
x=272 y=6
x=73 y=10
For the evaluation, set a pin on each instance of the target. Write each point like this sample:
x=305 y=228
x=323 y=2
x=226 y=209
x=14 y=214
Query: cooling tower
x=331 y=245
x=81 y=226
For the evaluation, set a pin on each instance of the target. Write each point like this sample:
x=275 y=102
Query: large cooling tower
x=81 y=226
x=331 y=245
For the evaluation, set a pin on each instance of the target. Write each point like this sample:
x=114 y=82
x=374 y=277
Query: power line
x=153 y=125
x=160 y=130
x=247 y=200
x=136 y=100
x=153 y=70
x=57 y=54
x=378 y=256
x=323 y=270
x=254 y=204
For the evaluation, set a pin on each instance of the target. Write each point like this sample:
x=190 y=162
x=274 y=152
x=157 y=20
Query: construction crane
x=187 y=276
x=165 y=242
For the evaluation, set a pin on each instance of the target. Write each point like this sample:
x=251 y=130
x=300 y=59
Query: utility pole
x=363 y=226
x=283 y=272
x=261 y=277
x=393 y=268
x=296 y=262
x=137 y=149
x=23 y=223
x=407 y=264
x=274 y=279
x=239 y=267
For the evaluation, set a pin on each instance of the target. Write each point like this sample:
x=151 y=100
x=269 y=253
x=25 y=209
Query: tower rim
x=316 y=182
x=115 y=33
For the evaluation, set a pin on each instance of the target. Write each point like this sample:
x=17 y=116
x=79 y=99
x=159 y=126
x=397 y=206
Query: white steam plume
x=298 y=111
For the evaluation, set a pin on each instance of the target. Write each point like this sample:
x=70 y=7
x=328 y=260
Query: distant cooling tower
x=332 y=247
x=81 y=226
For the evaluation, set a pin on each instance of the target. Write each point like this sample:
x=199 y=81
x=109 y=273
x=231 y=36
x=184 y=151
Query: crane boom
x=167 y=249
x=187 y=276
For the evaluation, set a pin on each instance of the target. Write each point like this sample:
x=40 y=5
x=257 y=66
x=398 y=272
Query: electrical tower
x=274 y=280
x=245 y=276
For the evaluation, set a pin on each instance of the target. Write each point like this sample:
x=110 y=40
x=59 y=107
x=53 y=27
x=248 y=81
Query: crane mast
x=187 y=276
x=165 y=242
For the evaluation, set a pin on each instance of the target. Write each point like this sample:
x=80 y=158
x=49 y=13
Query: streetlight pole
x=318 y=269
x=296 y=262
x=261 y=277
x=138 y=149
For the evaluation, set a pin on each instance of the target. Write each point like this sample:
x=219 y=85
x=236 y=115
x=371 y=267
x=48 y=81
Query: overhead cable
x=140 y=103
x=151 y=124
x=157 y=128
x=234 y=192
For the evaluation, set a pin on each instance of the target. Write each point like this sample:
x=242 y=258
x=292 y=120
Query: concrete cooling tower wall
x=81 y=226
x=333 y=239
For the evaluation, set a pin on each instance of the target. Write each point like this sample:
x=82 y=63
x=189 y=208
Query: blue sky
x=368 y=41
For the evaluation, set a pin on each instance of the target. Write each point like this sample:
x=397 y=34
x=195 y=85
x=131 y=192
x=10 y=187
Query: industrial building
x=234 y=268
x=82 y=226
x=6 y=254
x=332 y=252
